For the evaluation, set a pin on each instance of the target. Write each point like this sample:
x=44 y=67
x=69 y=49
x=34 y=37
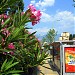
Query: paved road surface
x=47 y=71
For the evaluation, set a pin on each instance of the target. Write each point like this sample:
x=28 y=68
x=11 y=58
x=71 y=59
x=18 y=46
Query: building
x=64 y=36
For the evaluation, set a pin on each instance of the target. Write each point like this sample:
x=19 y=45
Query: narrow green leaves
x=6 y=22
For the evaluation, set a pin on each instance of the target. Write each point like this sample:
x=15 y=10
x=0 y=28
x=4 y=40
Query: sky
x=57 y=14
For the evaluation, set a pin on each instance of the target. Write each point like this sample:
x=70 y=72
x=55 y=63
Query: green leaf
x=2 y=50
x=3 y=65
x=15 y=74
x=32 y=34
x=25 y=14
x=14 y=71
x=9 y=62
x=6 y=22
x=31 y=42
x=24 y=20
x=11 y=2
x=8 y=67
x=16 y=32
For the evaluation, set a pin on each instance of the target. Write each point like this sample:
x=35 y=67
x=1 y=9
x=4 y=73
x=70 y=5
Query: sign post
x=68 y=59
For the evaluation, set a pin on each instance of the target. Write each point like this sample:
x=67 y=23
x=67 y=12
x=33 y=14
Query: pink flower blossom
x=5 y=16
x=32 y=8
x=5 y=32
x=36 y=17
x=2 y=22
x=35 y=14
x=0 y=16
x=22 y=13
x=29 y=32
x=3 y=40
x=12 y=53
x=4 y=53
x=11 y=46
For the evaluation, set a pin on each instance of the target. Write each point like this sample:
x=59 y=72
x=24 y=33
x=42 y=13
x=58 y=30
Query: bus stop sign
x=68 y=59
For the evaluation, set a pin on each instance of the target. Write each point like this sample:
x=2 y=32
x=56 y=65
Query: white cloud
x=62 y=17
x=64 y=21
x=46 y=17
x=42 y=31
x=66 y=18
x=33 y=2
x=43 y=3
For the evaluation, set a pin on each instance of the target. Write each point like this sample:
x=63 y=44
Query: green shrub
x=7 y=68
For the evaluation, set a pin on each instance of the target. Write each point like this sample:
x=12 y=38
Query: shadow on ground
x=54 y=67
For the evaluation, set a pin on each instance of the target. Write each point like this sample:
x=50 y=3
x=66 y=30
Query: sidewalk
x=47 y=71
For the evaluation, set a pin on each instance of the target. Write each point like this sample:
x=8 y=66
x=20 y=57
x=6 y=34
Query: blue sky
x=57 y=14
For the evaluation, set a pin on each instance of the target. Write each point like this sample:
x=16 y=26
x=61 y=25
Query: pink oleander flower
x=5 y=16
x=0 y=16
x=11 y=46
x=35 y=14
x=4 y=53
x=12 y=53
x=29 y=32
x=3 y=40
x=32 y=8
x=5 y=32
x=22 y=13
x=2 y=22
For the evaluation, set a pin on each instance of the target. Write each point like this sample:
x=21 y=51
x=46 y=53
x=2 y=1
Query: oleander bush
x=18 y=43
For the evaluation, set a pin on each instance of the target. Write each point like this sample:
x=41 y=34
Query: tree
x=73 y=35
x=50 y=36
x=43 y=39
x=18 y=5
x=70 y=37
x=11 y=6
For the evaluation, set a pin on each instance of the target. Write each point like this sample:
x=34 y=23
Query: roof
x=64 y=41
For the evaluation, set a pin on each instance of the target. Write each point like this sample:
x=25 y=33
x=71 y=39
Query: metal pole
x=53 y=55
x=61 y=59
